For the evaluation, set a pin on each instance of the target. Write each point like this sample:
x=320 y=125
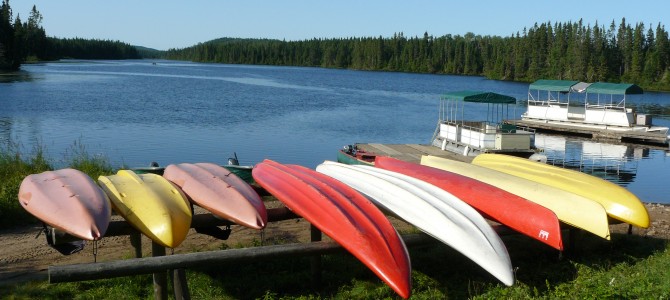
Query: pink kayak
x=219 y=191
x=523 y=216
x=344 y=215
x=67 y=200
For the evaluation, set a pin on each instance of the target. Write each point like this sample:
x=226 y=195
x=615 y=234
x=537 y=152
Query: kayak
x=67 y=200
x=219 y=191
x=151 y=204
x=570 y=208
x=344 y=215
x=619 y=203
x=432 y=210
x=521 y=215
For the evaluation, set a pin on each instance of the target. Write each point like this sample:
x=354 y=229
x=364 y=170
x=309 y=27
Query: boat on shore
x=470 y=138
x=596 y=109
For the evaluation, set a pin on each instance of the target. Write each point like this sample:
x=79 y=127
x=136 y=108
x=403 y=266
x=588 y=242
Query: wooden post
x=160 y=277
x=180 y=285
x=315 y=235
x=136 y=242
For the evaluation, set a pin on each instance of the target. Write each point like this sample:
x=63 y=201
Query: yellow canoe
x=151 y=204
x=619 y=203
x=570 y=208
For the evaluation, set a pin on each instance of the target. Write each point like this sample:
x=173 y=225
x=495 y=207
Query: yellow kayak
x=570 y=208
x=151 y=204
x=619 y=203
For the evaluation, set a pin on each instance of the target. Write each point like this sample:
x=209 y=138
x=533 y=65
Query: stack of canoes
x=446 y=199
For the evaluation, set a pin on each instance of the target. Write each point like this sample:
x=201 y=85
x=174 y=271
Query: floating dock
x=410 y=152
x=644 y=137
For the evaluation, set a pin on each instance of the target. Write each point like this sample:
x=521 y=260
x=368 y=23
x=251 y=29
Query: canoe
x=619 y=203
x=524 y=216
x=151 y=204
x=67 y=200
x=570 y=208
x=351 y=155
x=219 y=191
x=432 y=210
x=344 y=215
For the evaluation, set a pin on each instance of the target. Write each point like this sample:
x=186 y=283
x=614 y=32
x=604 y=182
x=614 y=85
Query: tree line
x=27 y=41
x=572 y=50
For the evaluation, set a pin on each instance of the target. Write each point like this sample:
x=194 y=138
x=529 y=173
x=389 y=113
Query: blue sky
x=176 y=24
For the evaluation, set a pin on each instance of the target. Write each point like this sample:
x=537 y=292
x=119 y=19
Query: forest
x=27 y=41
x=625 y=52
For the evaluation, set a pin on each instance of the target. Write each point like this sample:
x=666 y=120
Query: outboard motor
x=233 y=160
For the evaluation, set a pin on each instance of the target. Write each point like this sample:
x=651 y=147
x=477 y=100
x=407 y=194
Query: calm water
x=135 y=112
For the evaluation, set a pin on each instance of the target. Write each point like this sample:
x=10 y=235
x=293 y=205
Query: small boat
x=243 y=172
x=151 y=204
x=596 y=109
x=344 y=215
x=470 y=138
x=619 y=203
x=220 y=191
x=570 y=208
x=352 y=155
x=432 y=210
x=67 y=200
x=493 y=203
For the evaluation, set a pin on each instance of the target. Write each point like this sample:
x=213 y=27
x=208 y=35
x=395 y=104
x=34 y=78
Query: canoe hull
x=506 y=208
x=220 y=191
x=571 y=209
x=49 y=197
x=344 y=215
x=619 y=203
x=432 y=210
x=151 y=204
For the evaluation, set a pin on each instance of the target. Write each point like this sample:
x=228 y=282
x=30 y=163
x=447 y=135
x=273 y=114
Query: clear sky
x=164 y=24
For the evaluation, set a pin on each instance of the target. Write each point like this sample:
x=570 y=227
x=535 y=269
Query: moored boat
x=352 y=155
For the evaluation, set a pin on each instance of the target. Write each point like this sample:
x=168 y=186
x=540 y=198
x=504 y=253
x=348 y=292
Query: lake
x=136 y=112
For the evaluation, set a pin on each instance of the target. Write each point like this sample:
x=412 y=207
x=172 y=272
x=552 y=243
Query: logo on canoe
x=544 y=235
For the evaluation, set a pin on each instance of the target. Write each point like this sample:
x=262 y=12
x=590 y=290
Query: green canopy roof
x=614 y=88
x=477 y=96
x=552 y=85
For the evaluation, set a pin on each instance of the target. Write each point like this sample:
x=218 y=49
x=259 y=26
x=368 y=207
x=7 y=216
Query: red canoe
x=67 y=200
x=219 y=191
x=524 y=216
x=344 y=215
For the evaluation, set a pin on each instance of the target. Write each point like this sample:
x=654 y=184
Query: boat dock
x=410 y=152
x=645 y=137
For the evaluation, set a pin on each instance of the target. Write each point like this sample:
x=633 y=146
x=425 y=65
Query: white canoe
x=570 y=208
x=432 y=210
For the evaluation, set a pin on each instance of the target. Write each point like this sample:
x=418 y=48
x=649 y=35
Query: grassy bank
x=630 y=266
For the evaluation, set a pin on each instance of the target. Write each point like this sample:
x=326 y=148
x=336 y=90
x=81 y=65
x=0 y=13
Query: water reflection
x=18 y=76
x=618 y=163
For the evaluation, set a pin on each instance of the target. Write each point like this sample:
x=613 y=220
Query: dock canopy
x=614 y=88
x=553 y=85
x=480 y=97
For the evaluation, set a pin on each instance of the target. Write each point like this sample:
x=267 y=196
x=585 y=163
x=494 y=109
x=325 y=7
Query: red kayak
x=344 y=215
x=220 y=191
x=524 y=216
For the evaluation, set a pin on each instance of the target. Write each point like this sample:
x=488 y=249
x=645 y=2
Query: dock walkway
x=410 y=152
x=595 y=133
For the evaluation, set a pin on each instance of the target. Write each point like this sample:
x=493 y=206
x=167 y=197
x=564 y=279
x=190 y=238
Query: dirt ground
x=25 y=257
